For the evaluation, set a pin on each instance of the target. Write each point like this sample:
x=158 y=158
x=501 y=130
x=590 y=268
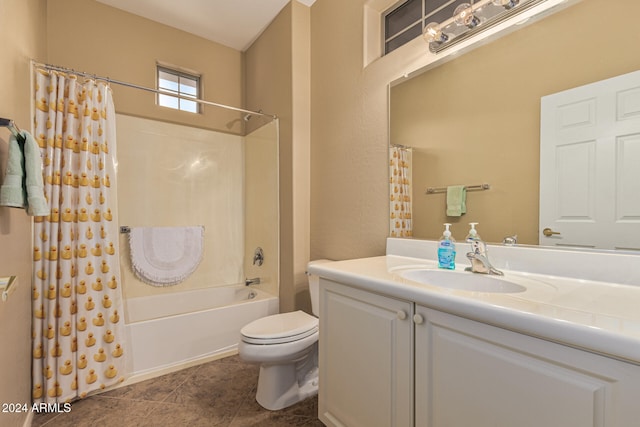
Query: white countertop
x=593 y=315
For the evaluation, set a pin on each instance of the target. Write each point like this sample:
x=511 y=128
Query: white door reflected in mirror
x=589 y=157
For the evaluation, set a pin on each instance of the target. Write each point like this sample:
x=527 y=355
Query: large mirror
x=476 y=118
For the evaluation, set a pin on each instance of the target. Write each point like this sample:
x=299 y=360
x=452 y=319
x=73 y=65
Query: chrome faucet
x=510 y=240
x=479 y=259
x=254 y=281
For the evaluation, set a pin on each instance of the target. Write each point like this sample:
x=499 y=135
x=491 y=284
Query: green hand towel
x=23 y=185
x=456 y=200
x=36 y=202
x=13 y=193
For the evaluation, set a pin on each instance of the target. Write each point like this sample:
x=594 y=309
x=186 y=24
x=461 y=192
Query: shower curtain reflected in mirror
x=78 y=330
x=400 y=193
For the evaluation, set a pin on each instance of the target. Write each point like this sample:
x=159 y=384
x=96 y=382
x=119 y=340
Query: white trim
x=372 y=38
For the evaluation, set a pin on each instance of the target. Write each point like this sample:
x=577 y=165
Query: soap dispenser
x=473 y=233
x=447 y=250
x=474 y=238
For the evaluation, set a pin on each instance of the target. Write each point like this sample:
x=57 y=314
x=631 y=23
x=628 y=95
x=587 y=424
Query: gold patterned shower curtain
x=400 y=208
x=78 y=327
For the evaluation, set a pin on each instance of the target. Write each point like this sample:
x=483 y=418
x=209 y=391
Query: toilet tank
x=314 y=287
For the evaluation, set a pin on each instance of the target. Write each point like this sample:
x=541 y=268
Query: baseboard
x=136 y=378
x=29 y=420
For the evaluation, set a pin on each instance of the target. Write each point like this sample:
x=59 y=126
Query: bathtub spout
x=254 y=281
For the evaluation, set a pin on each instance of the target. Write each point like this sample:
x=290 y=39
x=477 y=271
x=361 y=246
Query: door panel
x=366 y=358
x=590 y=165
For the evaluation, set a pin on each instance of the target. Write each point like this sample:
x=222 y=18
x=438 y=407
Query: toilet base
x=282 y=385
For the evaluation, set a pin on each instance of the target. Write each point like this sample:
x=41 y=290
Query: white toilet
x=286 y=347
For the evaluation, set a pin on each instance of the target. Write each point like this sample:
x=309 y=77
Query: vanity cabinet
x=388 y=362
x=472 y=374
x=366 y=358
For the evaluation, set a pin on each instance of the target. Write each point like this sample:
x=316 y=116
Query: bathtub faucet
x=254 y=281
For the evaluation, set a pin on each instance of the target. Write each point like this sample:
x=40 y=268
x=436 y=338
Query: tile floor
x=218 y=393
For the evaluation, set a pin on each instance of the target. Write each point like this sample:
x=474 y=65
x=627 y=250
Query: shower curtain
x=78 y=327
x=400 y=207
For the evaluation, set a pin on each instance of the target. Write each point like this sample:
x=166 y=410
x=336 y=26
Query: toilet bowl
x=286 y=347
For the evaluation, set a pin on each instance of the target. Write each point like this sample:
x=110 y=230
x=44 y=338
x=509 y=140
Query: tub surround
x=586 y=300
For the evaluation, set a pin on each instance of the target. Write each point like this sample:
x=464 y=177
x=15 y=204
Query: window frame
x=383 y=33
x=180 y=74
x=424 y=19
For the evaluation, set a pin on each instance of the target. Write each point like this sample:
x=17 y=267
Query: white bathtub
x=171 y=331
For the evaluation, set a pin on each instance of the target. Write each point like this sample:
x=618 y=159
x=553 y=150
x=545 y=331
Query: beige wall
x=276 y=80
x=348 y=136
x=477 y=118
x=349 y=122
x=18 y=47
x=301 y=150
x=126 y=47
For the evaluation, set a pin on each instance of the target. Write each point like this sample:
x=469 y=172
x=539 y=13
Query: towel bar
x=432 y=190
x=7 y=285
x=125 y=229
x=11 y=125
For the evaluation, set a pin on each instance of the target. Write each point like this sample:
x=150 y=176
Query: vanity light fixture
x=472 y=18
x=507 y=4
x=433 y=34
x=463 y=15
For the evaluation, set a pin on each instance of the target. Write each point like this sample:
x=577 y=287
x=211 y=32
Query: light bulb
x=464 y=16
x=507 y=4
x=433 y=33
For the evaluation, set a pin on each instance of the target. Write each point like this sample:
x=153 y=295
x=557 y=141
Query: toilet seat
x=280 y=328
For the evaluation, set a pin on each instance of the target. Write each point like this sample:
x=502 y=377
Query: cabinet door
x=469 y=374
x=366 y=358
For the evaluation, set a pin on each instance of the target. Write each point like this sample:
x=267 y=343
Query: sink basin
x=465 y=281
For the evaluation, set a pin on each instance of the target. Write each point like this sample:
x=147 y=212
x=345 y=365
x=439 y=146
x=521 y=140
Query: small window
x=178 y=83
x=402 y=24
x=406 y=19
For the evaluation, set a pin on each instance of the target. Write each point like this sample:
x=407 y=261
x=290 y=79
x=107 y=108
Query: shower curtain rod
x=148 y=89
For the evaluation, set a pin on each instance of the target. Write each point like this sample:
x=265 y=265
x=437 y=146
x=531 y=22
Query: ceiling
x=233 y=23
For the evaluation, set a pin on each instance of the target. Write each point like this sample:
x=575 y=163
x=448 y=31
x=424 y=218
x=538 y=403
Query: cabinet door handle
x=418 y=319
x=401 y=314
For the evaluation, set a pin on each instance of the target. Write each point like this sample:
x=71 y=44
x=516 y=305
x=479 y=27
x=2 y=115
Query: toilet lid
x=280 y=328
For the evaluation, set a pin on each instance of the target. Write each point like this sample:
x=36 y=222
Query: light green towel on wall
x=456 y=200
x=23 y=185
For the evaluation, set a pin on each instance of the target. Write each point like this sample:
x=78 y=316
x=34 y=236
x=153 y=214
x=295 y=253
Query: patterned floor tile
x=218 y=393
